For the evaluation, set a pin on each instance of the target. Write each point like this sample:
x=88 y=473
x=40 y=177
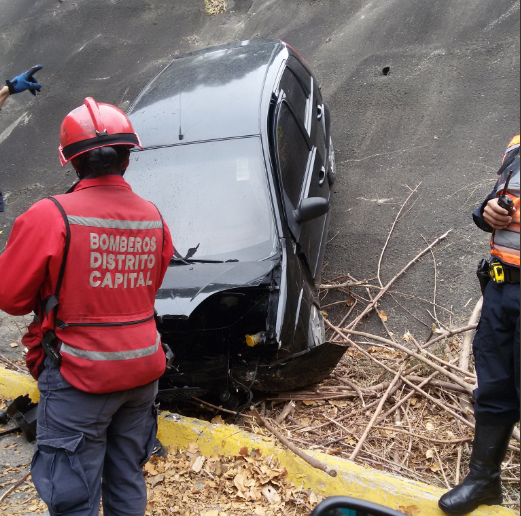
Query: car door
x=300 y=149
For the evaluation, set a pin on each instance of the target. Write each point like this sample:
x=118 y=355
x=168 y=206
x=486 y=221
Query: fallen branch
x=439 y=383
x=431 y=439
x=312 y=461
x=353 y=385
x=347 y=284
x=467 y=340
x=286 y=411
x=220 y=408
x=420 y=357
x=371 y=305
x=391 y=231
x=14 y=486
x=341 y=418
x=313 y=396
x=464 y=357
x=405 y=380
x=375 y=415
x=458 y=465
x=405 y=398
x=450 y=333
x=12 y=364
x=442 y=470
x=344 y=319
x=342 y=427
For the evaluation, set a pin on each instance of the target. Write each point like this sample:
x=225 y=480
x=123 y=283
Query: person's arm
x=4 y=93
x=23 y=82
x=490 y=216
x=477 y=215
x=32 y=257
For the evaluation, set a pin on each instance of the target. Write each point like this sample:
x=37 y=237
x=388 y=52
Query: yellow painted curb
x=352 y=480
x=14 y=384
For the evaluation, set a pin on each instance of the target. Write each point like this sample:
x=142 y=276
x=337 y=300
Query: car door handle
x=320 y=111
x=322 y=176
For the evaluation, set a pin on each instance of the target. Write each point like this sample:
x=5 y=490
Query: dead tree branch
x=304 y=456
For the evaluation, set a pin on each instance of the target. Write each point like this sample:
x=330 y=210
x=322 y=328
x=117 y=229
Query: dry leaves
x=410 y=510
x=188 y=484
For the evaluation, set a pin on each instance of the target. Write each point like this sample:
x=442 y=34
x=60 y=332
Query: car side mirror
x=311 y=208
x=346 y=506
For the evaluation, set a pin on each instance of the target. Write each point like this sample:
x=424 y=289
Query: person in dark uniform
x=495 y=346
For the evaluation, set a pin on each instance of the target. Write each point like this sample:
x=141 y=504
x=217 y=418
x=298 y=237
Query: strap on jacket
x=51 y=302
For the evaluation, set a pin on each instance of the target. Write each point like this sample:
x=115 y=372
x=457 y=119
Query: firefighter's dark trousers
x=92 y=445
x=496 y=354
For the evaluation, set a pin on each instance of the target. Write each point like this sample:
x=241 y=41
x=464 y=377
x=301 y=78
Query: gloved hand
x=25 y=81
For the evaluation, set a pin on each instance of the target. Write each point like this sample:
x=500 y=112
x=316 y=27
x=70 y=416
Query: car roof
x=213 y=93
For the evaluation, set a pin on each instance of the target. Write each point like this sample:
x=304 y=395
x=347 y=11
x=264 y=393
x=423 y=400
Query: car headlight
x=317 y=332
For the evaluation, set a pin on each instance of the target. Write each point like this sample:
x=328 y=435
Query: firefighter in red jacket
x=91 y=262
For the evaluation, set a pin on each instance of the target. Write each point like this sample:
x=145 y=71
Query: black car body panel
x=186 y=287
x=238 y=158
x=209 y=94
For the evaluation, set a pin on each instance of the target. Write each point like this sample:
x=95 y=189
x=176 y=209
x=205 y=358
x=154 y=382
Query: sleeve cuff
x=11 y=87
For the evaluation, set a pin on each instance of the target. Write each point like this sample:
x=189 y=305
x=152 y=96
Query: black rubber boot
x=482 y=486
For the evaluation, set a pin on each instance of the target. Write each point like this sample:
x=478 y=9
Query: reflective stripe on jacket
x=505 y=242
x=118 y=255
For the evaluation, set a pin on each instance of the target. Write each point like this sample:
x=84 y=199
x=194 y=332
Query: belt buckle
x=497 y=272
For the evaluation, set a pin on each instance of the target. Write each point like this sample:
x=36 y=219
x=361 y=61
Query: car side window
x=295 y=94
x=293 y=153
x=298 y=69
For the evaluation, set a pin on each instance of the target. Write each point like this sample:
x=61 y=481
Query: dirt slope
x=442 y=115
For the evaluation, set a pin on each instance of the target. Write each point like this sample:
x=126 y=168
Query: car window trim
x=309 y=110
x=195 y=142
x=306 y=184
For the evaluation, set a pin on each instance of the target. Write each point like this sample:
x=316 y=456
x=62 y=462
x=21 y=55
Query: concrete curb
x=214 y=439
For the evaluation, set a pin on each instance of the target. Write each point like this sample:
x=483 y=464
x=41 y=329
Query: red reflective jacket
x=118 y=255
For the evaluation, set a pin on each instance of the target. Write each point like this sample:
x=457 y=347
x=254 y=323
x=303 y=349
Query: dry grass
x=215 y=6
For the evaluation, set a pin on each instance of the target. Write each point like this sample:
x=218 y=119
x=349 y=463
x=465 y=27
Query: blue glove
x=25 y=81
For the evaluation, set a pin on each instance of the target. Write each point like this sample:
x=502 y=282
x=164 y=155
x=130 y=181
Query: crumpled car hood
x=186 y=286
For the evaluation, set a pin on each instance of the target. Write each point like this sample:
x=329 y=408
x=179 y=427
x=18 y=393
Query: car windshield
x=214 y=197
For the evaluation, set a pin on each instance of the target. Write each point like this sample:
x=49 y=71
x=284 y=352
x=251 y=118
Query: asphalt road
x=442 y=116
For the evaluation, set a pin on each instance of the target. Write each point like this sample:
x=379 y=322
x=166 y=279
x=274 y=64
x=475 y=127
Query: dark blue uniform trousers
x=92 y=445
x=496 y=355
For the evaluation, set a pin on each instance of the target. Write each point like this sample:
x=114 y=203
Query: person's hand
x=495 y=216
x=25 y=81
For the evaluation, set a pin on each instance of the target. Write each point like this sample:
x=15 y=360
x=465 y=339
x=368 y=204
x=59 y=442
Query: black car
x=239 y=160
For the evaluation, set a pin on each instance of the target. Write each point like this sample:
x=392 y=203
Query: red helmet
x=92 y=126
